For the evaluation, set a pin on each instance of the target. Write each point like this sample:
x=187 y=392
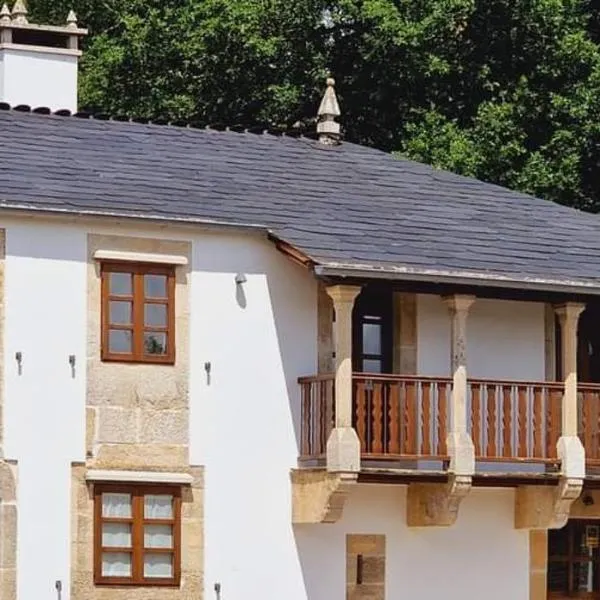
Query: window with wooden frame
x=574 y=560
x=137 y=535
x=138 y=313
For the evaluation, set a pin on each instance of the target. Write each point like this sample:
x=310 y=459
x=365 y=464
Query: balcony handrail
x=445 y=379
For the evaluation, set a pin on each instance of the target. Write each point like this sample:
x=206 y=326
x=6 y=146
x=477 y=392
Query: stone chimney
x=38 y=63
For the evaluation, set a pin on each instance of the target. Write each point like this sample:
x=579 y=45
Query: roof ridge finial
x=72 y=20
x=327 y=127
x=19 y=13
x=4 y=14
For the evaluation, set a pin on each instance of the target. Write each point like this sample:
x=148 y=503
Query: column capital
x=569 y=310
x=459 y=303
x=343 y=294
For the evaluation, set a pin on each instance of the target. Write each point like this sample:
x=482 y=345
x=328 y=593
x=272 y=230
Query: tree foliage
x=504 y=90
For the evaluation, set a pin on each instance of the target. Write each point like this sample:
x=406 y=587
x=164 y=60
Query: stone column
x=459 y=442
x=549 y=507
x=570 y=448
x=343 y=446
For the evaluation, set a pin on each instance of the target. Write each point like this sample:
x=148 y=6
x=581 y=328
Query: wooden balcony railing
x=515 y=420
x=405 y=417
x=589 y=421
x=318 y=414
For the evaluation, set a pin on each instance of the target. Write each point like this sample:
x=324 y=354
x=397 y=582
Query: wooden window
x=137 y=535
x=574 y=560
x=138 y=313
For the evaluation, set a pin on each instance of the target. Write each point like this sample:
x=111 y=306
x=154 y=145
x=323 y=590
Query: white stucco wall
x=505 y=339
x=481 y=556
x=258 y=338
x=241 y=421
x=44 y=418
x=38 y=78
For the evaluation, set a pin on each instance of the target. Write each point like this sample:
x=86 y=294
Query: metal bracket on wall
x=19 y=359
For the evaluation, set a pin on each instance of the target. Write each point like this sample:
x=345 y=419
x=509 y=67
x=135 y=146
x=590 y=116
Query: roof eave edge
x=457 y=277
x=20 y=210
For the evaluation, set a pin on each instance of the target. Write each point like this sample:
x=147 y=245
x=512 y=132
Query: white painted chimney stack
x=38 y=63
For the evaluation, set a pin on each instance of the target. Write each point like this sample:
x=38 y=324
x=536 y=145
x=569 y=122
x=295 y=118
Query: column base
x=572 y=457
x=343 y=451
x=462 y=454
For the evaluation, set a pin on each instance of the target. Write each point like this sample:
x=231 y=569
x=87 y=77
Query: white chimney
x=38 y=63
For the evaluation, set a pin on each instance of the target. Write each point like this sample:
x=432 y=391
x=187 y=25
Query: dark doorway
x=574 y=560
x=588 y=348
x=372 y=332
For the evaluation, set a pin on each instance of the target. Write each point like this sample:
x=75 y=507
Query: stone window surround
x=137 y=423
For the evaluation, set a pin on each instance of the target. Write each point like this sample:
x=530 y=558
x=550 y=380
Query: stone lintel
x=436 y=504
x=319 y=496
x=343 y=451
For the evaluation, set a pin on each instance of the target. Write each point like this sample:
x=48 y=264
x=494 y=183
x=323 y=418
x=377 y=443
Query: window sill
x=125 y=583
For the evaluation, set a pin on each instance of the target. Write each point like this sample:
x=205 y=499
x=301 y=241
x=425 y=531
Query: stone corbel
x=436 y=504
x=546 y=507
x=319 y=496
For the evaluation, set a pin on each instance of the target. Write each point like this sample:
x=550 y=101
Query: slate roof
x=347 y=207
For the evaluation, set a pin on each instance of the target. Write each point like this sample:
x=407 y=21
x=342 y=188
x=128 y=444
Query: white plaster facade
x=249 y=344
x=505 y=339
x=39 y=77
x=425 y=563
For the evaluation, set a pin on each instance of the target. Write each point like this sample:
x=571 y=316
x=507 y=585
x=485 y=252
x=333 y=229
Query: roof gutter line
x=457 y=279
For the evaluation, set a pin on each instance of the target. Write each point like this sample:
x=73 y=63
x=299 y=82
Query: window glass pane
x=158 y=536
x=120 y=284
x=119 y=340
x=558 y=577
x=116 y=564
x=155 y=315
x=116 y=505
x=120 y=313
x=116 y=535
x=585 y=577
x=155 y=343
x=158 y=506
x=371 y=366
x=155 y=286
x=158 y=565
x=371 y=338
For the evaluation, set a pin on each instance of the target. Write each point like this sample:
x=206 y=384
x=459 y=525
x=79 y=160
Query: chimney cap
x=19 y=21
x=327 y=127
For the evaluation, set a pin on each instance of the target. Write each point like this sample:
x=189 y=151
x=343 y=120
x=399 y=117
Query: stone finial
x=4 y=15
x=327 y=127
x=72 y=20
x=19 y=13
